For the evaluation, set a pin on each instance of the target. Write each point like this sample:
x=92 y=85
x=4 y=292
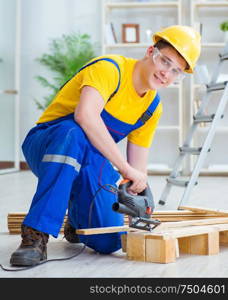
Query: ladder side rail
x=165 y=192
x=222 y=57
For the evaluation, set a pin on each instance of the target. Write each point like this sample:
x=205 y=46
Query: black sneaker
x=69 y=233
x=33 y=248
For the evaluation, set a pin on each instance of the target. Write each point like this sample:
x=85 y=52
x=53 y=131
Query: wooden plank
x=204 y=244
x=155 y=213
x=205 y=210
x=221 y=227
x=18 y=221
x=175 y=232
x=213 y=243
x=184 y=218
x=183 y=232
x=136 y=246
x=196 y=211
x=160 y=251
x=124 y=242
x=188 y=231
x=172 y=212
x=177 y=248
x=164 y=226
x=101 y=230
x=223 y=237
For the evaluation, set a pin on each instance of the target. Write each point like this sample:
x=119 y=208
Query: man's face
x=164 y=67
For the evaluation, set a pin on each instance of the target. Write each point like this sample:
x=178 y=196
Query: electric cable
x=113 y=189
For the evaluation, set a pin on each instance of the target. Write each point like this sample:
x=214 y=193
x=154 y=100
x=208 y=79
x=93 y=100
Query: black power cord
x=113 y=189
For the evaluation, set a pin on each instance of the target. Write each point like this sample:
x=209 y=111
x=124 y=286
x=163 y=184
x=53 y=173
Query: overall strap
x=93 y=62
x=150 y=110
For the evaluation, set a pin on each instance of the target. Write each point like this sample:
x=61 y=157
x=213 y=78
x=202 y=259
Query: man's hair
x=161 y=44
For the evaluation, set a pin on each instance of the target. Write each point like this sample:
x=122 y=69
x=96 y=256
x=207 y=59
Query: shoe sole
x=19 y=261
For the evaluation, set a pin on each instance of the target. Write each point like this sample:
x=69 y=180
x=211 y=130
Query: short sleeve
x=103 y=76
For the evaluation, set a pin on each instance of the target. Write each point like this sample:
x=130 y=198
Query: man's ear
x=149 y=51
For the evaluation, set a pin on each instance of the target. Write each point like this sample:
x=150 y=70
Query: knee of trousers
x=102 y=243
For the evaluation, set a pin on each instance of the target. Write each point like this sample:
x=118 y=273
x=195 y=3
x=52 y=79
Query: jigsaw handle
x=126 y=183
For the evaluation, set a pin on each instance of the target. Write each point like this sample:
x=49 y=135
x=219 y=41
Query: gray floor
x=16 y=191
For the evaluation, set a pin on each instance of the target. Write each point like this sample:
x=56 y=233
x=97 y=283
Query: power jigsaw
x=139 y=207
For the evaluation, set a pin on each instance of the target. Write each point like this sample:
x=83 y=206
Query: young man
x=72 y=149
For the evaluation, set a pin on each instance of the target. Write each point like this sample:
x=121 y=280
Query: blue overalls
x=70 y=171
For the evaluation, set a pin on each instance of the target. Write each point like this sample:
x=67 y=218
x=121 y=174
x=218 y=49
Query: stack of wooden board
x=14 y=222
x=186 y=213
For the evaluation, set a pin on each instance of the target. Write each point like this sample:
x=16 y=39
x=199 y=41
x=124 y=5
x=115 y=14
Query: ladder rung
x=178 y=182
x=190 y=150
x=203 y=118
x=216 y=86
x=223 y=56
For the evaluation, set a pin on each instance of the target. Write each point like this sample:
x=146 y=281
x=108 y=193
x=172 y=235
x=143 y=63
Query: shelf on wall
x=213 y=44
x=141 y=4
x=168 y=127
x=219 y=168
x=144 y=45
x=198 y=86
x=128 y=45
x=212 y=4
x=158 y=168
x=218 y=129
x=173 y=86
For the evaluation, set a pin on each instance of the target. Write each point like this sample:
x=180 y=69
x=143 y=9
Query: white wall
x=41 y=21
x=7 y=46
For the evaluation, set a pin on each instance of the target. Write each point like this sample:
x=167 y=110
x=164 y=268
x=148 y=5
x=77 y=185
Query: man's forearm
x=137 y=157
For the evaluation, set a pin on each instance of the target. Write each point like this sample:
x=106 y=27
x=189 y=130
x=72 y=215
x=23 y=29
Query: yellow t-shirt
x=126 y=105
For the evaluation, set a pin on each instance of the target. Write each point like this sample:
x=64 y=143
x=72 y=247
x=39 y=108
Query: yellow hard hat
x=185 y=40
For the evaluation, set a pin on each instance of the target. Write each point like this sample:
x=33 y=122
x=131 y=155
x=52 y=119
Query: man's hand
x=138 y=178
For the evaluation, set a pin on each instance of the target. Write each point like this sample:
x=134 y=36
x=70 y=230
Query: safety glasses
x=165 y=64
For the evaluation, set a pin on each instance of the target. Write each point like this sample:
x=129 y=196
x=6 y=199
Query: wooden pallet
x=166 y=246
x=168 y=240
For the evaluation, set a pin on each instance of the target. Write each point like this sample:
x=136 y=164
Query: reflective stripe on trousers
x=62 y=159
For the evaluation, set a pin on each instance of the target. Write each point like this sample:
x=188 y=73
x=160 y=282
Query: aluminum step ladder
x=175 y=178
